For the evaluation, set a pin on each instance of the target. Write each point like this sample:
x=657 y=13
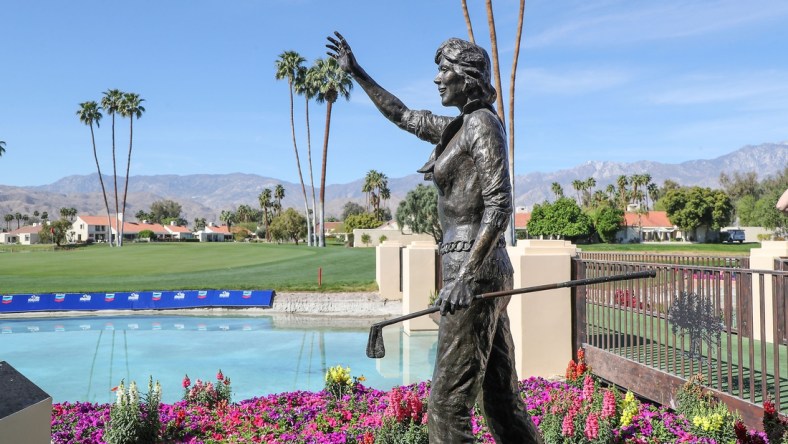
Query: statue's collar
x=475 y=105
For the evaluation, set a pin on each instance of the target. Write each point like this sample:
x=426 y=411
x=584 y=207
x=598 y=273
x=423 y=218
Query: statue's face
x=450 y=85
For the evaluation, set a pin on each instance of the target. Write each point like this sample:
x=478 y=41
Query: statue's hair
x=472 y=62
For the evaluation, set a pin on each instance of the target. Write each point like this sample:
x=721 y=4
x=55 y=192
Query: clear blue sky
x=607 y=80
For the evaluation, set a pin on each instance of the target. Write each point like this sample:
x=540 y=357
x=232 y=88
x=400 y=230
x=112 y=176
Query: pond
x=83 y=358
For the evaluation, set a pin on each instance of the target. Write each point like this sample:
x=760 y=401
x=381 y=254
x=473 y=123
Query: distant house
x=214 y=233
x=521 y=224
x=27 y=235
x=88 y=228
x=650 y=226
x=178 y=232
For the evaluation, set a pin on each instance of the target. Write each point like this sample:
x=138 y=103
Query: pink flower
x=567 y=425
x=608 y=404
x=592 y=426
x=186 y=381
x=588 y=388
x=220 y=376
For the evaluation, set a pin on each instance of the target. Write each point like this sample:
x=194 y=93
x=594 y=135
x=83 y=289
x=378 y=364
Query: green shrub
x=133 y=422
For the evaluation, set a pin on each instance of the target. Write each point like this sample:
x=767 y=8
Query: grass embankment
x=186 y=266
x=675 y=248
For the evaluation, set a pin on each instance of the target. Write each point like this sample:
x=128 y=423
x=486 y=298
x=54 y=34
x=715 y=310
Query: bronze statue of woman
x=470 y=170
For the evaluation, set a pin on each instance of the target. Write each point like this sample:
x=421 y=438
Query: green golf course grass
x=187 y=266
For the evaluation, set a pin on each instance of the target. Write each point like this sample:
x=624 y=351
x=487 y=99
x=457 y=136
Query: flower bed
x=578 y=410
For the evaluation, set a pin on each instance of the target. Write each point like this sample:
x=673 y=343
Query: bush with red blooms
x=576 y=370
x=774 y=425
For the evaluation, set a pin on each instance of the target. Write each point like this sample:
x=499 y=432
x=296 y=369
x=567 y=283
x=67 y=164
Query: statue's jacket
x=469 y=167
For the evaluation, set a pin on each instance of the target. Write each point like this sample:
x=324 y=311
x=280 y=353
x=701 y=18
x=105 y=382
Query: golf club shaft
x=497 y=294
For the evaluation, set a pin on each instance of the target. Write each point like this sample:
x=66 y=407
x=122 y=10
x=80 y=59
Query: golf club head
x=375 y=347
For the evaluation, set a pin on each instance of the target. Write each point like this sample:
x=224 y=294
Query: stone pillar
x=25 y=409
x=387 y=269
x=763 y=259
x=418 y=283
x=541 y=322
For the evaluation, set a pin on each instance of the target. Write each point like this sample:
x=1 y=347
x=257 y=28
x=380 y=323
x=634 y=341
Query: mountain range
x=206 y=195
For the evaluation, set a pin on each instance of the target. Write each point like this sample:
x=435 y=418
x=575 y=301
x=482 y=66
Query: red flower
x=571 y=370
x=186 y=381
x=219 y=375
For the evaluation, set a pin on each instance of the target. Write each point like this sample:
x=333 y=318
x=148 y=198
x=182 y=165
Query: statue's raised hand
x=341 y=52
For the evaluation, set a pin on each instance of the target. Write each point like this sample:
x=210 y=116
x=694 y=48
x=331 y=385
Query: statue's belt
x=460 y=246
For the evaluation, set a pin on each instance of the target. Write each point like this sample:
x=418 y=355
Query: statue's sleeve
x=489 y=152
x=425 y=125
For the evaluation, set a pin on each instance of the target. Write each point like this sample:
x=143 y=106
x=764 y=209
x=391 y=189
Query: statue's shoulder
x=483 y=118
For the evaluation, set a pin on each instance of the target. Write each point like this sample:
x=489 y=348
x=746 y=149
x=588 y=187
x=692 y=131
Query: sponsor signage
x=138 y=300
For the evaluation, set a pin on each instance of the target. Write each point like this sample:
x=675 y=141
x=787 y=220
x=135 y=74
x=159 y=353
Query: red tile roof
x=128 y=227
x=648 y=219
x=27 y=229
x=220 y=229
x=521 y=220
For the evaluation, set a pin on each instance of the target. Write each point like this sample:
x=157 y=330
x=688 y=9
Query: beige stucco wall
x=763 y=259
x=28 y=426
x=541 y=322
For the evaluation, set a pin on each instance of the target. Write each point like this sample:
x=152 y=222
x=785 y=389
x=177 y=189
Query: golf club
x=376 y=349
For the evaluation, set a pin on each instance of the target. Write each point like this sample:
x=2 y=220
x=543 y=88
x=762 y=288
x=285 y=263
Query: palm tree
x=334 y=83
x=111 y=103
x=512 y=83
x=131 y=107
x=228 y=217
x=304 y=85
x=496 y=67
x=90 y=113
x=287 y=66
x=578 y=185
x=265 y=203
x=279 y=194
x=2 y=148
x=376 y=185
x=18 y=217
x=557 y=190
x=653 y=192
x=8 y=218
x=468 y=21
x=622 y=182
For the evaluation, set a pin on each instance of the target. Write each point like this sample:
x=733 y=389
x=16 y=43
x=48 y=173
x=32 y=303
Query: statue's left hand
x=341 y=52
x=456 y=294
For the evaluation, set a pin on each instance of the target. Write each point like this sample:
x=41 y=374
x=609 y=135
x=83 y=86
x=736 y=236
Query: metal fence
x=723 y=321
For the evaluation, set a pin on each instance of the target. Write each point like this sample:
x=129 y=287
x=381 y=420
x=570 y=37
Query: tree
x=279 y=194
x=305 y=85
x=361 y=221
x=376 y=186
x=265 y=203
x=289 y=226
x=131 y=107
x=57 y=232
x=90 y=113
x=68 y=213
x=199 y=223
x=287 y=67
x=228 y=217
x=690 y=208
x=111 y=102
x=147 y=234
x=607 y=219
x=8 y=218
x=419 y=212
x=366 y=239
x=44 y=215
x=351 y=208
x=333 y=83
x=562 y=218
x=141 y=215
x=2 y=148
x=164 y=209
x=556 y=188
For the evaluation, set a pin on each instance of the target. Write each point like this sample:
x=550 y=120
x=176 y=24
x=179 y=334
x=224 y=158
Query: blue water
x=82 y=359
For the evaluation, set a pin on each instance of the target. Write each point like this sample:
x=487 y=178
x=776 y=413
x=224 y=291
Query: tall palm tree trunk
x=309 y=157
x=468 y=21
x=329 y=105
x=128 y=167
x=101 y=181
x=512 y=239
x=115 y=176
x=496 y=66
x=298 y=164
